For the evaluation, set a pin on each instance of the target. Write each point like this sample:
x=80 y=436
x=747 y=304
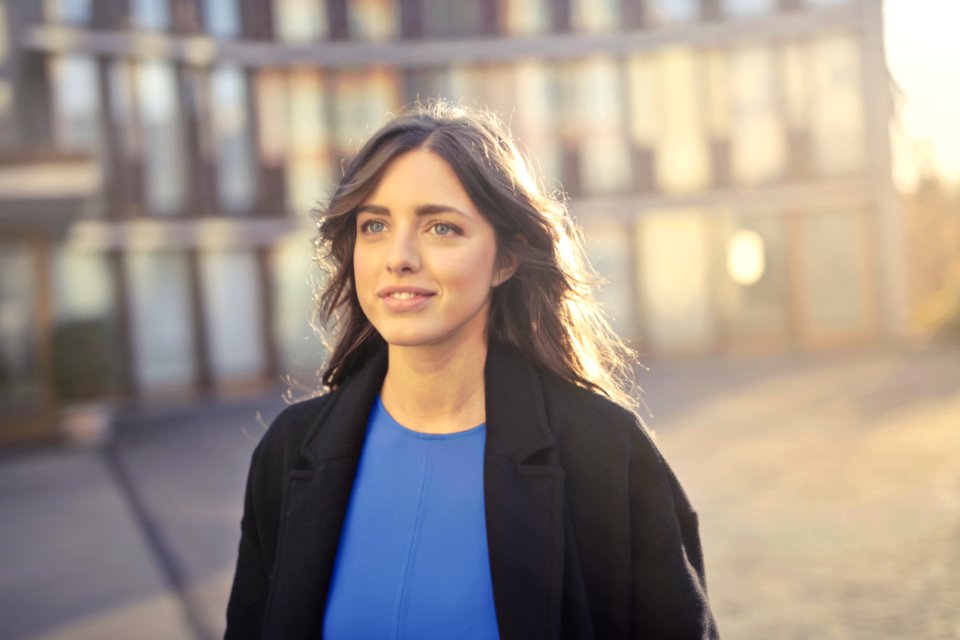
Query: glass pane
x=162 y=137
x=87 y=349
x=236 y=170
x=151 y=15
x=363 y=103
x=293 y=289
x=757 y=136
x=748 y=7
x=644 y=82
x=76 y=102
x=300 y=20
x=83 y=287
x=716 y=85
x=526 y=17
x=837 y=118
x=683 y=152
x=595 y=15
x=445 y=18
x=795 y=79
x=273 y=110
x=309 y=169
x=604 y=153
x=673 y=277
x=18 y=358
x=426 y=83
x=161 y=315
x=608 y=247
x=234 y=319
x=751 y=279
x=668 y=11
x=373 y=19
x=534 y=122
x=833 y=262
x=221 y=18
x=75 y=12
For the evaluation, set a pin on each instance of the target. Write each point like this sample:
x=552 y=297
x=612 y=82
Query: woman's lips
x=404 y=300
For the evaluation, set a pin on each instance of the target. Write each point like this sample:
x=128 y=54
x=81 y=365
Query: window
x=448 y=18
x=604 y=154
x=595 y=15
x=526 y=17
x=609 y=251
x=644 y=117
x=236 y=174
x=309 y=170
x=837 y=114
x=673 y=278
x=161 y=315
x=834 y=261
x=152 y=15
x=425 y=83
x=373 y=19
x=363 y=102
x=672 y=11
x=76 y=102
x=750 y=277
x=534 y=122
x=740 y=8
x=76 y=12
x=757 y=140
x=233 y=307
x=82 y=286
x=293 y=287
x=682 y=150
x=221 y=18
x=300 y=20
x=162 y=137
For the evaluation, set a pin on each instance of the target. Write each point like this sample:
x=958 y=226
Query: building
x=728 y=159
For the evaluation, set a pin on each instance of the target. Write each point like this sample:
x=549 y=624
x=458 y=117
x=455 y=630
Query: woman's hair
x=545 y=312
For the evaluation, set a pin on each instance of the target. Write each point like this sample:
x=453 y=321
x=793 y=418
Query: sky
x=923 y=56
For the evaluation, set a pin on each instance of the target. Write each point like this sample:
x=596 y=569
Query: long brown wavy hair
x=545 y=312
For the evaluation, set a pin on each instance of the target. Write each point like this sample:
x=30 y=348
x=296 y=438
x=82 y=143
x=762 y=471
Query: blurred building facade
x=728 y=160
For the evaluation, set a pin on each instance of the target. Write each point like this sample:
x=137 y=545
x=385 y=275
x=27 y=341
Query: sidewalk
x=828 y=490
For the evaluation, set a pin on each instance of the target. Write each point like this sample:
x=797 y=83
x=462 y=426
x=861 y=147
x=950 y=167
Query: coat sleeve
x=669 y=583
x=248 y=596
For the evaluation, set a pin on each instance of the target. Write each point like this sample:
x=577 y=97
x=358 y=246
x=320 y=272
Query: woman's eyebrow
x=421 y=210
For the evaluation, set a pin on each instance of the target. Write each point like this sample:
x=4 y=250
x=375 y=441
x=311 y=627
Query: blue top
x=412 y=560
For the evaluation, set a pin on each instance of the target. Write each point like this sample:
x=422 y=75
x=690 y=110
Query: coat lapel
x=315 y=503
x=523 y=492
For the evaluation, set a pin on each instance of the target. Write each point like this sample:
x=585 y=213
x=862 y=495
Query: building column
x=890 y=245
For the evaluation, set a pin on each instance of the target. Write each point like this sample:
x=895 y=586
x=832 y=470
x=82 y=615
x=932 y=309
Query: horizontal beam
x=204 y=50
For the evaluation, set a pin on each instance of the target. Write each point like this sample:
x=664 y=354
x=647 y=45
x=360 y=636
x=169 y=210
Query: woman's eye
x=443 y=229
x=372 y=226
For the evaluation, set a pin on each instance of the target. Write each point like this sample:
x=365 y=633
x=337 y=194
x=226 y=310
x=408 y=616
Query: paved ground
x=828 y=488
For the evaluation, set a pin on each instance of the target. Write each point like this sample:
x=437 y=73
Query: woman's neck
x=436 y=391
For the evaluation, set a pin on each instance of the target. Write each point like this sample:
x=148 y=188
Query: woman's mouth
x=403 y=300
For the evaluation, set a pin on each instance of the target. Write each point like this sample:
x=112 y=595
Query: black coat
x=588 y=531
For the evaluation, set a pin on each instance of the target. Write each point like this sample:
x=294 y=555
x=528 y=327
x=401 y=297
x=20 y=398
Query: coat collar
x=516 y=417
x=523 y=494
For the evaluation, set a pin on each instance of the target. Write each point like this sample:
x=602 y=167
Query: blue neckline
x=428 y=436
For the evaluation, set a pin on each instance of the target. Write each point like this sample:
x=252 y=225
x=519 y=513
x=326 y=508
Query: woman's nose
x=404 y=255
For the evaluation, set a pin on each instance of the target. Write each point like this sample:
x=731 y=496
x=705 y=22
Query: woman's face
x=424 y=260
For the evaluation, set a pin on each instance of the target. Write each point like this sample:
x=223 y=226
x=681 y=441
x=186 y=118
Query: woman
x=475 y=470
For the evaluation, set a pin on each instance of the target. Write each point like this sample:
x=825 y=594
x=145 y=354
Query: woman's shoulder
x=289 y=428
x=576 y=411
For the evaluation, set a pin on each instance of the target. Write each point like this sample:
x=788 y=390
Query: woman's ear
x=508 y=261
